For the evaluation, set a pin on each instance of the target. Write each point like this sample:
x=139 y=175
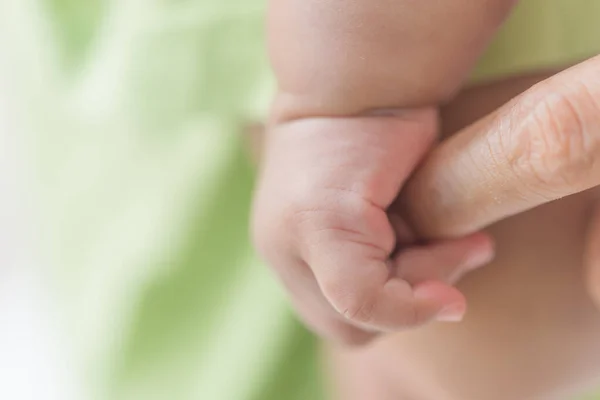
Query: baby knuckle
x=335 y=211
x=359 y=310
x=353 y=306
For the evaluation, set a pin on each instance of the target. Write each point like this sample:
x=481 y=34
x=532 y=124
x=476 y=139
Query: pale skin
x=356 y=113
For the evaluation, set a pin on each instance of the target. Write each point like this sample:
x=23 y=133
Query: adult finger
x=543 y=145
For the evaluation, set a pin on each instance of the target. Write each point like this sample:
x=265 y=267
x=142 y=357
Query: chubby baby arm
x=360 y=82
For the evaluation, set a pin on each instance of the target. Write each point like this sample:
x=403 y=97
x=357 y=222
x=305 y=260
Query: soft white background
x=32 y=365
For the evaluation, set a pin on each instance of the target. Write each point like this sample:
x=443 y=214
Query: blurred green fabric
x=135 y=111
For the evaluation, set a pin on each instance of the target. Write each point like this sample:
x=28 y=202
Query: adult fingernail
x=452 y=313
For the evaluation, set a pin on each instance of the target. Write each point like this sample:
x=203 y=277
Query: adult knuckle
x=555 y=146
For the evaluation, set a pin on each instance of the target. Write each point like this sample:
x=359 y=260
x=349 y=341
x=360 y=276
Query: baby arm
x=359 y=86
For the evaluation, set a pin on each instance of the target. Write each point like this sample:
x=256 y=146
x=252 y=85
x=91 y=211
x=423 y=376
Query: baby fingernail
x=452 y=313
x=478 y=258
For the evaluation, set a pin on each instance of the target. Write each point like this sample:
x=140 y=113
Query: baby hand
x=322 y=222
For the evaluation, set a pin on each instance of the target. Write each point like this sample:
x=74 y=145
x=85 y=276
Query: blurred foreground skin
x=532 y=329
